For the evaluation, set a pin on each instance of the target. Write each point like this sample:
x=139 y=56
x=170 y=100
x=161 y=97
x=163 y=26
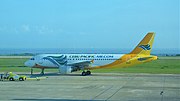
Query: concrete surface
x=97 y=87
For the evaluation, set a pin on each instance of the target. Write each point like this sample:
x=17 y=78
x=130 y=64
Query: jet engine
x=65 y=69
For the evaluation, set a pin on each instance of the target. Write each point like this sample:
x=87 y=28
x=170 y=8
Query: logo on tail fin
x=145 y=47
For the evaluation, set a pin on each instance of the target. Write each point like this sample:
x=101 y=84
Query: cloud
x=44 y=29
x=16 y=30
x=31 y=29
x=25 y=28
x=2 y=28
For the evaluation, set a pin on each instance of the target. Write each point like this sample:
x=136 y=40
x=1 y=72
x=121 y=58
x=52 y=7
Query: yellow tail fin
x=145 y=46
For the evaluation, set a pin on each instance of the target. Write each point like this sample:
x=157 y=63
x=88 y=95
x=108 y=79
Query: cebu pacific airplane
x=67 y=63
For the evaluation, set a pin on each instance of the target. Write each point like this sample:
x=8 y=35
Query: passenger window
x=32 y=59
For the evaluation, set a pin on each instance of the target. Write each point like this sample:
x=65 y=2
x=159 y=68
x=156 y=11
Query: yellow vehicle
x=12 y=77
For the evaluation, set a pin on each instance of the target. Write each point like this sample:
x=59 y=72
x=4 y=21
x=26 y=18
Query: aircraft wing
x=81 y=64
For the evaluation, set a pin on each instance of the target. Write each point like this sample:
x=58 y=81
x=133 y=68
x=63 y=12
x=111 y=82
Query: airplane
x=67 y=63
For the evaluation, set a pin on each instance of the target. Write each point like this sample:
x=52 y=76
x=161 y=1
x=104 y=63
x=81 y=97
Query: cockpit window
x=32 y=59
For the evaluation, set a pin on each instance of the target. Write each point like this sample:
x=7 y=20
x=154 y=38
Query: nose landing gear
x=42 y=71
x=31 y=71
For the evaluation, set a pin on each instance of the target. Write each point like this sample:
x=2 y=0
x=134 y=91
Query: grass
x=161 y=66
x=164 y=65
x=17 y=65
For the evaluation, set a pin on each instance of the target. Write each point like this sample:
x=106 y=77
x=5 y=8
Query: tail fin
x=145 y=46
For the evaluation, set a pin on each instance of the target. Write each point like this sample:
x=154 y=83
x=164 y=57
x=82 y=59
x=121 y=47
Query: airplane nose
x=28 y=64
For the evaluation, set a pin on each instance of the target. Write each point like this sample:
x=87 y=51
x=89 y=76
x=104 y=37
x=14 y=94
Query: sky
x=88 y=23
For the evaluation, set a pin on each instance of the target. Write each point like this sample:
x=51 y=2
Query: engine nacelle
x=65 y=69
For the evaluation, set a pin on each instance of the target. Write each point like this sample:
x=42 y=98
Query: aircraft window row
x=32 y=59
x=93 y=59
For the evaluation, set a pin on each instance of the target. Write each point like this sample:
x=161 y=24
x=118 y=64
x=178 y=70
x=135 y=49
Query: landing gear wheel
x=88 y=73
x=42 y=72
x=83 y=73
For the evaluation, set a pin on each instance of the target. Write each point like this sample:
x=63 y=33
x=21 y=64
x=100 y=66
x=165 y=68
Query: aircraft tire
x=88 y=73
x=83 y=73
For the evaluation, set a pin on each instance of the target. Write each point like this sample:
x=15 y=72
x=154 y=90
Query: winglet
x=145 y=46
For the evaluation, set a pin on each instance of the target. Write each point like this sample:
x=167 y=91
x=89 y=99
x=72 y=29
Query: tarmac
x=96 y=87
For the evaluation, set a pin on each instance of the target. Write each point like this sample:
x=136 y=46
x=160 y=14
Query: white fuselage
x=73 y=62
x=97 y=59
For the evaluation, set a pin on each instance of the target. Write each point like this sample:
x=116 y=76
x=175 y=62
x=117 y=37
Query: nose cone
x=29 y=63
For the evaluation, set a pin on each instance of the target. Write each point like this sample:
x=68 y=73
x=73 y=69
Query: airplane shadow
x=72 y=74
x=48 y=74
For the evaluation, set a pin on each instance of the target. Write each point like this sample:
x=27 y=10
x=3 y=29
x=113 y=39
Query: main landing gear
x=86 y=73
x=42 y=72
